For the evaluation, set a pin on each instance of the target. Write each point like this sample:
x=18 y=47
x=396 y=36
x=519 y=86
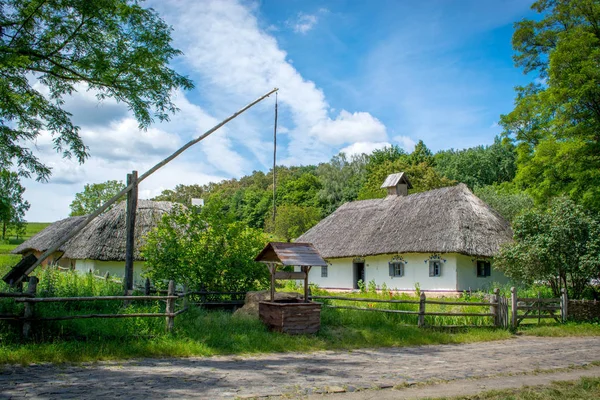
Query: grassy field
x=583 y=389
x=8 y=260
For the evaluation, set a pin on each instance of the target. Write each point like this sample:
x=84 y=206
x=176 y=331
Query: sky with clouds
x=353 y=77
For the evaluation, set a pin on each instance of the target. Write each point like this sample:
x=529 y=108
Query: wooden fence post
x=170 y=306
x=147 y=287
x=185 y=296
x=28 y=312
x=513 y=297
x=203 y=294
x=494 y=307
x=564 y=302
x=422 y=310
x=107 y=276
x=539 y=307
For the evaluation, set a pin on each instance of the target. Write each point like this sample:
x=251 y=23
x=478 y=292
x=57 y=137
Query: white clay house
x=439 y=240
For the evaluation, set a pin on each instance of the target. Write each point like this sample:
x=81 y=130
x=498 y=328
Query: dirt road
x=294 y=374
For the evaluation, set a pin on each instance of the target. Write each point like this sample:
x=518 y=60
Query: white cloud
x=347 y=127
x=304 y=23
x=405 y=142
x=363 y=147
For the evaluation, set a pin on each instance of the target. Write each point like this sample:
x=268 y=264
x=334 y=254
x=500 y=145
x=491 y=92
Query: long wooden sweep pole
x=152 y=170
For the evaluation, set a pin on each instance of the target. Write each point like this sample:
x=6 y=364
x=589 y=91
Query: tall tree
x=341 y=180
x=556 y=119
x=292 y=221
x=94 y=195
x=12 y=205
x=560 y=245
x=115 y=47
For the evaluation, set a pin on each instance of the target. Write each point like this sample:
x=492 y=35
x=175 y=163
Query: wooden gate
x=538 y=308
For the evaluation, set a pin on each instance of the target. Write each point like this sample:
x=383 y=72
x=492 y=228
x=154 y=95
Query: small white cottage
x=439 y=240
x=100 y=246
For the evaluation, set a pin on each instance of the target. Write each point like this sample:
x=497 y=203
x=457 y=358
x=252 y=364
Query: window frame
x=324 y=271
x=487 y=268
x=397 y=268
x=432 y=271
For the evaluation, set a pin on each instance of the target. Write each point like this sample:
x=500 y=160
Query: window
x=484 y=268
x=435 y=268
x=396 y=268
x=324 y=271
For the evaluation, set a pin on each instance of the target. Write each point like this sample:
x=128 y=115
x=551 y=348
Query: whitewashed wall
x=340 y=273
x=114 y=268
x=467 y=275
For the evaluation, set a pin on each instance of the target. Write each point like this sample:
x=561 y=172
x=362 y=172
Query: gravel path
x=294 y=374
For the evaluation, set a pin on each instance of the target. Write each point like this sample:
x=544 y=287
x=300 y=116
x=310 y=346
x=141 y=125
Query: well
x=292 y=316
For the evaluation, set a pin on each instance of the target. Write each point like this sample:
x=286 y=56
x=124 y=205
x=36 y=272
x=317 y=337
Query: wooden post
x=564 y=305
x=28 y=312
x=107 y=276
x=495 y=307
x=147 y=287
x=170 y=306
x=513 y=298
x=539 y=307
x=185 y=296
x=132 y=197
x=306 y=270
x=272 y=269
x=202 y=294
x=422 y=310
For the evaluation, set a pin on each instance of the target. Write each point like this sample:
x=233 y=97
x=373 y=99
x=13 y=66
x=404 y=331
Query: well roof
x=446 y=220
x=297 y=254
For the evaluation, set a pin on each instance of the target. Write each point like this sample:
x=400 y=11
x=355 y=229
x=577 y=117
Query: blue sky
x=353 y=76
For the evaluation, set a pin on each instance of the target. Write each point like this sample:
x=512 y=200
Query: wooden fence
x=498 y=307
x=538 y=308
x=31 y=302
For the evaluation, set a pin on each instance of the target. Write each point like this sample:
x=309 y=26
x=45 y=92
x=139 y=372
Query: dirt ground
x=359 y=374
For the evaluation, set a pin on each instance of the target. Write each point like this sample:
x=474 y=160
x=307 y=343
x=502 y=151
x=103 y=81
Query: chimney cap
x=393 y=180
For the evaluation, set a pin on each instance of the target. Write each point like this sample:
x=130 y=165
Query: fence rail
x=498 y=308
x=28 y=317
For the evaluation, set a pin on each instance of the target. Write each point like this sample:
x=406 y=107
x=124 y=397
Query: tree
x=560 y=245
x=505 y=199
x=12 y=205
x=206 y=249
x=94 y=195
x=479 y=166
x=341 y=180
x=292 y=221
x=114 y=47
x=421 y=155
x=556 y=119
x=182 y=194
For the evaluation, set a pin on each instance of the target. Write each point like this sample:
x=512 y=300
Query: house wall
x=340 y=273
x=467 y=275
x=114 y=268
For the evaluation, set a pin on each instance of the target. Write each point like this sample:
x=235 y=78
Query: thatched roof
x=446 y=220
x=105 y=237
x=296 y=254
x=44 y=239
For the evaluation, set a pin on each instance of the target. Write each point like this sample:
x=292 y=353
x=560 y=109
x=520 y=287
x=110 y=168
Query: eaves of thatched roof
x=104 y=238
x=446 y=220
x=44 y=239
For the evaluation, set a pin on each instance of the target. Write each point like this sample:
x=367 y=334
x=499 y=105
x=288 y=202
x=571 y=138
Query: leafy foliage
x=292 y=221
x=206 y=247
x=115 y=47
x=94 y=195
x=560 y=245
x=505 y=199
x=12 y=204
x=556 y=120
x=479 y=166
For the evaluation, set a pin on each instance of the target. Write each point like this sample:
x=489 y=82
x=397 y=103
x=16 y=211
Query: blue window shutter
x=431 y=268
x=392 y=272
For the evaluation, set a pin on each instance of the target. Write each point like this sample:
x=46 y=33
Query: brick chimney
x=397 y=184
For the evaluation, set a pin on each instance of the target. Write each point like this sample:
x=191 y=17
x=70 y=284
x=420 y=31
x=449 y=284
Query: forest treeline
x=306 y=194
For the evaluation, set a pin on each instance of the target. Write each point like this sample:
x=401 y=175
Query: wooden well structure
x=293 y=316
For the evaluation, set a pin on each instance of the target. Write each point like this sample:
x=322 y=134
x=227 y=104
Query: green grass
x=562 y=330
x=583 y=389
x=7 y=260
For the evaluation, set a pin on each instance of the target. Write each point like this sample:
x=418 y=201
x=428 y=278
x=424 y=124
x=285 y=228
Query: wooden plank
x=3 y=294
x=374 y=309
x=9 y=317
x=98 y=298
x=29 y=307
x=456 y=303
x=87 y=316
x=535 y=300
x=536 y=316
x=289 y=275
x=449 y=314
x=368 y=300
x=542 y=308
x=170 y=309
